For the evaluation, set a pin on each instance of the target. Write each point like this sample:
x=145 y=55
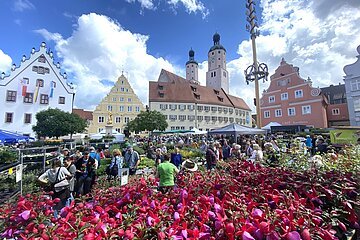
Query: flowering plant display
x=238 y=201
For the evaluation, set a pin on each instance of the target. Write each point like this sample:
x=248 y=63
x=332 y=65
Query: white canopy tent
x=119 y=137
x=268 y=126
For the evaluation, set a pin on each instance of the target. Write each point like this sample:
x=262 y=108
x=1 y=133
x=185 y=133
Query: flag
x=36 y=93
x=52 y=89
x=24 y=89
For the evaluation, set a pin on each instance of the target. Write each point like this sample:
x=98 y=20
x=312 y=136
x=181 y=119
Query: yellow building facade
x=121 y=104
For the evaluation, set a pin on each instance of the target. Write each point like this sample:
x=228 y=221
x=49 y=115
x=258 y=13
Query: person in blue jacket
x=176 y=158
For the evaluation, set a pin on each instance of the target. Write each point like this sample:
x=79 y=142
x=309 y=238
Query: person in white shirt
x=257 y=155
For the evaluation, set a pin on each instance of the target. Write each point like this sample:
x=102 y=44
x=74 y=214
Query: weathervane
x=256 y=71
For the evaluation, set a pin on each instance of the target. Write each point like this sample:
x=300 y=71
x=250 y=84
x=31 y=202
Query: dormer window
x=216 y=92
x=42 y=59
x=197 y=96
x=161 y=94
x=220 y=99
x=193 y=88
x=161 y=87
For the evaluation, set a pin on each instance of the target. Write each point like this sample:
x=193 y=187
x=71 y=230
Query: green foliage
x=140 y=150
x=7 y=156
x=102 y=168
x=146 y=162
x=191 y=153
x=56 y=123
x=148 y=121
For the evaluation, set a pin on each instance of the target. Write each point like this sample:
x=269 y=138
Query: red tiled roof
x=86 y=115
x=173 y=88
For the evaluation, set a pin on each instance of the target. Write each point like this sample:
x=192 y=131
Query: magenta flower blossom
x=25 y=215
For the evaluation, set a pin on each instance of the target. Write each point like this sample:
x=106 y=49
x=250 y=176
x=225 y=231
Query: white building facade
x=185 y=116
x=36 y=85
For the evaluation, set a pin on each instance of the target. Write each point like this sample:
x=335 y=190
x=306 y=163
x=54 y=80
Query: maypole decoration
x=36 y=93
x=52 y=86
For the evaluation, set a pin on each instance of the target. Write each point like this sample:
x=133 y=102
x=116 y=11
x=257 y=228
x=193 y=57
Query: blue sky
x=96 y=39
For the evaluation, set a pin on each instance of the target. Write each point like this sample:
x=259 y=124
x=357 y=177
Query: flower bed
x=238 y=201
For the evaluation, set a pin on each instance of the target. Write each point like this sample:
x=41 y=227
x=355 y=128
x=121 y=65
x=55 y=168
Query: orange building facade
x=291 y=100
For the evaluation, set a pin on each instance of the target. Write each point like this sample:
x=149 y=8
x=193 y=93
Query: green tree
x=148 y=121
x=55 y=123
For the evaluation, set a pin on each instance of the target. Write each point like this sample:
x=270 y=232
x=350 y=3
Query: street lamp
x=256 y=71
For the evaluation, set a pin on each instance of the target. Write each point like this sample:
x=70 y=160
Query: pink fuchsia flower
x=217 y=207
x=257 y=213
x=247 y=236
x=25 y=215
x=150 y=221
x=211 y=215
x=176 y=216
x=293 y=236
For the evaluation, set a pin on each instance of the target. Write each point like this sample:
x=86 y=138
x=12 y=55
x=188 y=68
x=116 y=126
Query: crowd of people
x=73 y=174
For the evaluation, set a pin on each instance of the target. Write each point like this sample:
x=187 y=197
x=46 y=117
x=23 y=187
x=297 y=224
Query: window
x=53 y=84
x=129 y=108
x=41 y=70
x=161 y=94
x=355 y=85
x=126 y=119
x=182 y=117
x=137 y=109
x=122 y=89
x=197 y=96
x=28 y=98
x=207 y=108
x=163 y=106
x=177 y=128
x=266 y=114
x=25 y=81
x=190 y=107
x=216 y=92
x=172 y=107
x=61 y=100
x=109 y=108
x=225 y=110
x=117 y=119
x=291 y=112
x=271 y=99
x=200 y=118
x=357 y=105
x=182 y=107
x=121 y=109
x=114 y=99
x=207 y=118
x=35 y=69
x=100 y=129
x=336 y=111
x=9 y=117
x=213 y=109
x=226 y=119
x=118 y=130
x=306 y=109
x=278 y=113
x=213 y=119
x=129 y=99
x=160 y=87
x=193 y=88
x=172 y=128
x=172 y=117
x=231 y=119
x=200 y=108
x=11 y=96
x=27 y=118
x=126 y=90
x=214 y=74
x=101 y=119
x=284 y=96
x=44 y=99
x=298 y=94
x=191 y=117
x=121 y=99
x=42 y=59
x=231 y=111
x=39 y=83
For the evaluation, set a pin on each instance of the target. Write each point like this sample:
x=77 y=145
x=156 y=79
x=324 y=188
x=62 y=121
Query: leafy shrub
x=7 y=156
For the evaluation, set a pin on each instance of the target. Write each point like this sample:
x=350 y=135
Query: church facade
x=187 y=105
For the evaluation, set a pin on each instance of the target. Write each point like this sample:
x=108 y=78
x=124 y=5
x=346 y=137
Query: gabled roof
x=173 y=88
x=86 y=115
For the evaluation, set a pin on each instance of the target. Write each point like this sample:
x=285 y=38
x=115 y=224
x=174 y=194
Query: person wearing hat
x=166 y=172
x=65 y=153
x=189 y=165
x=132 y=159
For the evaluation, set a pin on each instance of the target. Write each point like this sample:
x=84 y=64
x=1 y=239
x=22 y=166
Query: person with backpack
x=116 y=164
x=57 y=176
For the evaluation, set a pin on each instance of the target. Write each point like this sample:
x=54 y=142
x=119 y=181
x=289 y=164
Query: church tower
x=217 y=76
x=192 y=68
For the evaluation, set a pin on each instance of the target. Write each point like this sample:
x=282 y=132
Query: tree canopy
x=148 y=121
x=55 y=123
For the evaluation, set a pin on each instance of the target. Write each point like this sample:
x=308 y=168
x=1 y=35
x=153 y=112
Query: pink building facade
x=291 y=100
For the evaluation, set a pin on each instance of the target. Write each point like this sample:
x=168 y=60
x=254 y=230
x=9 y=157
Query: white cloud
x=148 y=4
x=22 y=5
x=320 y=44
x=5 y=62
x=191 y=6
x=113 y=49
